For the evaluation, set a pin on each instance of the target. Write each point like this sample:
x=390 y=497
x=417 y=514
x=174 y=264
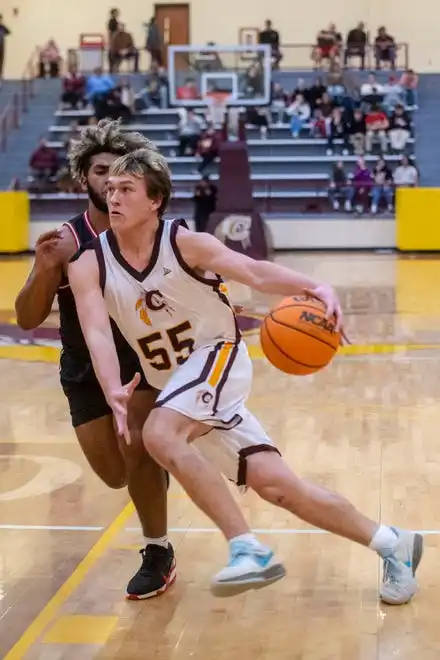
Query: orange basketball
x=297 y=338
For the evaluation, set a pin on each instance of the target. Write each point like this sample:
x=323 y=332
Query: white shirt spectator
x=406 y=175
x=191 y=124
x=370 y=89
x=301 y=110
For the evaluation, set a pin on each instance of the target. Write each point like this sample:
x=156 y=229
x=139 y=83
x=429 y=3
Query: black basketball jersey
x=76 y=364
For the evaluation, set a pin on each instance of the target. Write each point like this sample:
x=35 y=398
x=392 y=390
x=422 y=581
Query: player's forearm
x=104 y=358
x=35 y=300
x=272 y=278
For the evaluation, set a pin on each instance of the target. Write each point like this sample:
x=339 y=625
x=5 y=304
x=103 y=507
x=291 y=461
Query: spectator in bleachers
x=337 y=130
x=357 y=129
x=382 y=186
x=74 y=88
x=208 y=147
x=409 y=82
x=341 y=188
x=159 y=76
x=205 y=198
x=154 y=44
x=124 y=99
x=301 y=88
x=49 y=60
x=405 y=174
x=272 y=38
x=318 y=125
x=122 y=48
x=377 y=126
x=44 y=162
x=99 y=88
x=254 y=81
x=4 y=32
x=335 y=84
x=189 y=130
x=393 y=95
x=399 y=130
x=372 y=91
x=326 y=106
x=258 y=117
x=314 y=94
x=356 y=44
x=352 y=86
x=112 y=24
x=299 y=112
x=151 y=94
x=279 y=101
x=384 y=48
x=328 y=45
x=362 y=181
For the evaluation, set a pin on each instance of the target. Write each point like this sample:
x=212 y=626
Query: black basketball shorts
x=83 y=391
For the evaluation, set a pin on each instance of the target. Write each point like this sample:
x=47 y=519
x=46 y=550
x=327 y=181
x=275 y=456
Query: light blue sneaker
x=251 y=566
x=399 y=583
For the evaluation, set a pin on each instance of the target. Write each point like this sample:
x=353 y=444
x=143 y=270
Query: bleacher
x=289 y=175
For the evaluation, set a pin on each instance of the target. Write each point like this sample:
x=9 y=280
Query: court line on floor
x=176 y=530
x=359 y=352
x=47 y=614
x=52 y=528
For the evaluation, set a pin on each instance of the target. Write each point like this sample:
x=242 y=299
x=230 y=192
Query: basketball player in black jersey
x=113 y=461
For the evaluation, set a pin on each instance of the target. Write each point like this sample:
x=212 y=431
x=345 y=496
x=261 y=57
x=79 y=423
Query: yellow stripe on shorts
x=220 y=364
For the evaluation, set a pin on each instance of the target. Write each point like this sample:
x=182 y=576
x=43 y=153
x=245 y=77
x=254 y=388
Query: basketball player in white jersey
x=156 y=279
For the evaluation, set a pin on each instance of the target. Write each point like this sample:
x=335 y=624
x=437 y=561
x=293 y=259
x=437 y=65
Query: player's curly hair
x=104 y=137
x=150 y=165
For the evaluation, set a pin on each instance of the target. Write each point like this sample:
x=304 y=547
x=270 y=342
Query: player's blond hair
x=151 y=166
x=104 y=137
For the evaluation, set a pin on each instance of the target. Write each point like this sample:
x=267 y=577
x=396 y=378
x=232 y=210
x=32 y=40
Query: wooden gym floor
x=367 y=426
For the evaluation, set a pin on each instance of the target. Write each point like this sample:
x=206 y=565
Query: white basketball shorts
x=212 y=387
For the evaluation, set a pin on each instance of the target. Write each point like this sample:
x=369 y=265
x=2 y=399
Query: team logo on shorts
x=152 y=301
x=203 y=396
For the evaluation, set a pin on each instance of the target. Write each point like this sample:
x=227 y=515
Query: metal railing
x=18 y=104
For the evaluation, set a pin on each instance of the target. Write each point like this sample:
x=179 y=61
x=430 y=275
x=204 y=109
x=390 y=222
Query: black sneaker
x=157 y=573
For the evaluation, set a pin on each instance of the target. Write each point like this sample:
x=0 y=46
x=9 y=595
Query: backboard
x=197 y=73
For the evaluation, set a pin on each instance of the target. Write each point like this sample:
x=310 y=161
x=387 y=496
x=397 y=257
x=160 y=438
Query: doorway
x=173 y=21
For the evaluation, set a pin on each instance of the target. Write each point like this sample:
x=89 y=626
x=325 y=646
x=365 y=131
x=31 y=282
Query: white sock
x=162 y=541
x=384 y=541
x=246 y=538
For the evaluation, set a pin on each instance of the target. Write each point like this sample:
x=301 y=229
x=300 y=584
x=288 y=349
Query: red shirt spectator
x=188 y=91
x=74 y=82
x=74 y=88
x=375 y=118
x=44 y=160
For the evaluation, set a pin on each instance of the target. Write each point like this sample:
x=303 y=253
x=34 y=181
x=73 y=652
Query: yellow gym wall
x=220 y=20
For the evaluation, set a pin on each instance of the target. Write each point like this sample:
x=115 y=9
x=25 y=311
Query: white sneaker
x=399 y=583
x=251 y=566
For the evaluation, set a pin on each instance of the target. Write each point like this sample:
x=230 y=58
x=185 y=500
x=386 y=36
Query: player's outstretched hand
x=119 y=403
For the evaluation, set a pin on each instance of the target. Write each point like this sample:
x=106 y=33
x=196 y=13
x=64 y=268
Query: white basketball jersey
x=168 y=310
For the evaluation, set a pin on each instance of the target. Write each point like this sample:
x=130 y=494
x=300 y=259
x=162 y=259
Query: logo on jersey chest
x=152 y=301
